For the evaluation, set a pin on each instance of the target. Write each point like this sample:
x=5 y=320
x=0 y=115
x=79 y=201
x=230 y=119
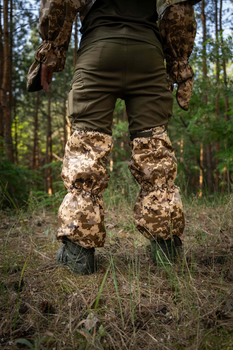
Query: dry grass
x=129 y=303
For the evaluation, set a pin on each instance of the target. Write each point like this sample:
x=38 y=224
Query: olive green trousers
x=122 y=68
x=135 y=72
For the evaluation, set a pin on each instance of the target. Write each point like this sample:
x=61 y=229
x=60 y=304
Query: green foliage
x=41 y=199
x=16 y=183
x=35 y=346
x=122 y=186
x=199 y=126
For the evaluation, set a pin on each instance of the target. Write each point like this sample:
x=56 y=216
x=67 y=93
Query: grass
x=129 y=303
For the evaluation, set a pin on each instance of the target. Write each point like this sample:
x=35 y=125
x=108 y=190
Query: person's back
x=130 y=19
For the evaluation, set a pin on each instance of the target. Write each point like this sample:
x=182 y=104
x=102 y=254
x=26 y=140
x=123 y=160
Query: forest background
x=129 y=303
x=34 y=127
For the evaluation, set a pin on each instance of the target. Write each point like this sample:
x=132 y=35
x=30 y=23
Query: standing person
x=121 y=55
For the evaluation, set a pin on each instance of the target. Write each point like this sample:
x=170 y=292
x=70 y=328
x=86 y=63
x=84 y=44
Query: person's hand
x=46 y=76
x=171 y=87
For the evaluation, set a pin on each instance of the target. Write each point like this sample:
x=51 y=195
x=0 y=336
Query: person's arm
x=178 y=30
x=162 y=5
x=55 y=27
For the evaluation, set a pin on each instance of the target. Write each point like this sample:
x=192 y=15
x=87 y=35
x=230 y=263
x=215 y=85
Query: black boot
x=80 y=260
x=165 y=252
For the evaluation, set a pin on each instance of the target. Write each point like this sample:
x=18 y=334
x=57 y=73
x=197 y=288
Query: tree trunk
x=205 y=98
x=6 y=89
x=75 y=40
x=16 y=133
x=35 y=159
x=201 y=171
x=49 y=152
x=64 y=124
x=226 y=100
x=209 y=167
x=1 y=80
x=12 y=95
x=203 y=18
x=217 y=108
x=68 y=128
x=64 y=120
x=195 y=181
x=10 y=55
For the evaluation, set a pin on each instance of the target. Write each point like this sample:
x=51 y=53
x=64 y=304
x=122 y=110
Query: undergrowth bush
x=16 y=183
x=41 y=199
x=122 y=187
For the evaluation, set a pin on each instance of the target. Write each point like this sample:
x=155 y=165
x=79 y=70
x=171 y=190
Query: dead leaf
x=110 y=225
x=50 y=334
x=87 y=336
x=90 y=322
x=127 y=289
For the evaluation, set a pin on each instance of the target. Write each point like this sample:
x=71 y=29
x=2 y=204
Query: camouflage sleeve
x=55 y=26
x=178 y=30
x=163 y=4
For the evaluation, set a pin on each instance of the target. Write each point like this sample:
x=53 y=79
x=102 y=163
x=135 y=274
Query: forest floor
x=128 y=303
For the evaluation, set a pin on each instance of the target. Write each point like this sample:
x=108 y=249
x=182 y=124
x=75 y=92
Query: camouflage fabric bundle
x=55 y=27
x=81 y=214
x=158 y=211
x=178 y=30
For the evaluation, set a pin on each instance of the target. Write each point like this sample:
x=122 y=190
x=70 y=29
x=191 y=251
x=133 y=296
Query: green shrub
x=15 y=184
